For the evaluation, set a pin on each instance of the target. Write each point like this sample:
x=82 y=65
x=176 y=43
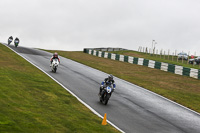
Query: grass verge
x=181 y=89
x=32 y=102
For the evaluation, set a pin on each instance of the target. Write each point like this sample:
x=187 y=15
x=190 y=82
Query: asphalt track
x=131 y=108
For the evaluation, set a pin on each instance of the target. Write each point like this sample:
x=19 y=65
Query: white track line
x=95 y=112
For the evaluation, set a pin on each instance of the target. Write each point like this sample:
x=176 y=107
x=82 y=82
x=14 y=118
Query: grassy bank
x=161 y=58
x=181 y=89
x=31 y=102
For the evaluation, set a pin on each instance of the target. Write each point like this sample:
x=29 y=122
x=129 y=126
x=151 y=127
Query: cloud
x=75 y=24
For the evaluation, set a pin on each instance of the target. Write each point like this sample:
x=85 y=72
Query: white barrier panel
x=164 y=66
x=105 y=55
x=121 y=58
x=94 y=53
x=90 y=51
x=194 y=73
x=140 y=61
x=130 y=59
x=179 y=70
x=113 y=56
x=100 y=53
x=151 y=64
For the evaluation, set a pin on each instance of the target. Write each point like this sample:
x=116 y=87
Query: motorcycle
x=9 y=41
x=54 y=65
x=106 y=94
x=16 y=43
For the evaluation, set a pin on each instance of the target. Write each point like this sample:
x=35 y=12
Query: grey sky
x=75 y=24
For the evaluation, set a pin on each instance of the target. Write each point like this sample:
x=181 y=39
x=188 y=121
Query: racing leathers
x=53 y=57
x=106 y=82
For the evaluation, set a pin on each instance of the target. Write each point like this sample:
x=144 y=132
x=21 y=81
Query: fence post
x=177 y=58
x=168 y=54
x=156 y=53
x=182 y=59
x=160 y=53
x=188 y=57
x=164 y=54
x=146 y=50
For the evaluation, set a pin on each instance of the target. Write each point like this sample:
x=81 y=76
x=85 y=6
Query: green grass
x=31 y=102
x=159 y=58
x=181 y=89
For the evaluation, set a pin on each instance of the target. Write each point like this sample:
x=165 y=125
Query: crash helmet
x=110 y=77
x=55 y=55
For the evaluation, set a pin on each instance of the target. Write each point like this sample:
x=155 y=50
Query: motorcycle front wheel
x=55 y=69
x=105 y=100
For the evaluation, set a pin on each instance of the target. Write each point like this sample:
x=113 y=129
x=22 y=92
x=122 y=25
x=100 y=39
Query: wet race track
x=131 y=108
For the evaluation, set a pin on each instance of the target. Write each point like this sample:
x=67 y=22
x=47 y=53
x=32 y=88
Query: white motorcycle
x=54 y=65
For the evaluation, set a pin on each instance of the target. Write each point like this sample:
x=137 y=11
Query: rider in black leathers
x=108 y=80
x=16 y=40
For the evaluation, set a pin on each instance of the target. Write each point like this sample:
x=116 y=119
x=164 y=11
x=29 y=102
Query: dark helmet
x=55 y=54
x=110 y=77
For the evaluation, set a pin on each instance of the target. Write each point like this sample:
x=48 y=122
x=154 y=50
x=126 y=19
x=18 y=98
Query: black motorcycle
x=16 y=42
x=106 y=94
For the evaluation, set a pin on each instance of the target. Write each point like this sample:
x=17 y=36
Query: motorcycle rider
x=107 y=81
x=55 y=56
x=17 y=40
x=10 y=39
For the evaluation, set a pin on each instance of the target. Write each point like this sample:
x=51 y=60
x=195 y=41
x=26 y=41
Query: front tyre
x=106 y=98
x=100 y=99
x=55 y=69
x=106 y=102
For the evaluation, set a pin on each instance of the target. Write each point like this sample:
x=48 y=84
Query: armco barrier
x=157 y=65
x=180 y=70
x=135 y=60
x=117 y=57
x=126 y=58
x=145 y=62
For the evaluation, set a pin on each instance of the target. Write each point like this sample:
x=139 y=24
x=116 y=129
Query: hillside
x=32 y=102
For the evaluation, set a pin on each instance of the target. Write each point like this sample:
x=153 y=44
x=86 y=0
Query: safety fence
x=110 y=49
x=194 y=73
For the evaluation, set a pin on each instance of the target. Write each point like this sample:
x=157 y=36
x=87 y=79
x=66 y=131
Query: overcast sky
x=76 y=24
